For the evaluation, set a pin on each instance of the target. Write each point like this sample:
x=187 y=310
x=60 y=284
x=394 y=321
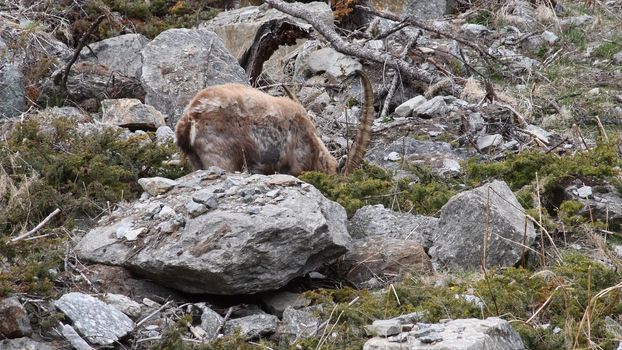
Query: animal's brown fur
x=236 y=127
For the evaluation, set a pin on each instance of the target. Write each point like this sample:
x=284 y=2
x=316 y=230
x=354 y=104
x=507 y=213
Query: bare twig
x=76 y=54
x=601 y=129
x=396 y=77
x=423 y=26
x=38 y=227
x=139 y=323
x=354 y=49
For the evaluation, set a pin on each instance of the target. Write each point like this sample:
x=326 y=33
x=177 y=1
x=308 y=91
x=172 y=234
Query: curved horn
x=363 y=133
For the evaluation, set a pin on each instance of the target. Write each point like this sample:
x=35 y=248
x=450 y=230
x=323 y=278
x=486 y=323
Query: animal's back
x=236 y=127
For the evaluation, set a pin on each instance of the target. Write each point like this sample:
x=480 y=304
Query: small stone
x=150 y=303
x=124 y=304
x=298 y=323
x=405 y=110
x=99 y=322
x=14 y=322
x=156 y=185
x=165 y=134
x=584 y=192
x=252 y=327
x=169 y=226
x=549 y=37
x=450 y=167
x=487 y=141
x=74 y=338
x=132 y=235
x=433 y=107
x=211 y=322
x=475 y=29
x=617 y=58
x=273 y=193
x=207 y=198
x=195 y=209
x=166 y=213
x=393 y=157
x=383 y=328
x=400 y=338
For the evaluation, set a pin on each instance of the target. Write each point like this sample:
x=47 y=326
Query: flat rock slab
x=97 y=321
x=464 y=334
x=223 y=233
x=252 y=327
x=24 y=344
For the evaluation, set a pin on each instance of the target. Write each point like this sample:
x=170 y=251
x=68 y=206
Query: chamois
x=237 y=127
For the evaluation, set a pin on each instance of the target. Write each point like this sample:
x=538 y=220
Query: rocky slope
x=488 y=214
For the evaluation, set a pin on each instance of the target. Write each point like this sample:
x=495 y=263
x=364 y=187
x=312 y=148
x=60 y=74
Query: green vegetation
x=154 y=17
x=557 y=296
x=609 y=48
x=598 y=165
x=374 y=185
x=50 y=165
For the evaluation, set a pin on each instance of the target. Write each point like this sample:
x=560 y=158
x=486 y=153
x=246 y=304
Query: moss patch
x=373 y=185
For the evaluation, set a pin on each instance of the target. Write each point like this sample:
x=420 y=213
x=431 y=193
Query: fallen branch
x=394 y=82
x=354 y=49
x=76 y=54
x=425 y=27
x=37 y=228
x=139 y=323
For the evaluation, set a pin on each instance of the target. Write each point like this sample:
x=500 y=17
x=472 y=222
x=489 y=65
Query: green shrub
x=373 y=185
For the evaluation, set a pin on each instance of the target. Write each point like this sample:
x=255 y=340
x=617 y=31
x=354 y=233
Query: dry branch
x=354 y=49
x=76 y=54
x=38 y=227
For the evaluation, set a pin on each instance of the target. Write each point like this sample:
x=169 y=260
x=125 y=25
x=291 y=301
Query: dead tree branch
x=354 y=49
x=425 y=27
x=76 y=54
x=37 y=228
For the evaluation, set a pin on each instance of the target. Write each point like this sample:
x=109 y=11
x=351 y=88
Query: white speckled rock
x=97 y=321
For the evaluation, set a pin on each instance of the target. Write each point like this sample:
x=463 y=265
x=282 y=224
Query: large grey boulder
x=12 y=91
x=238 y=28
x=376 y=220
x=490 y=211
x=120 y=53
x=180 y=62
x=463 y=334
x=223 y=233
x=97 y=321
x=89 y=83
